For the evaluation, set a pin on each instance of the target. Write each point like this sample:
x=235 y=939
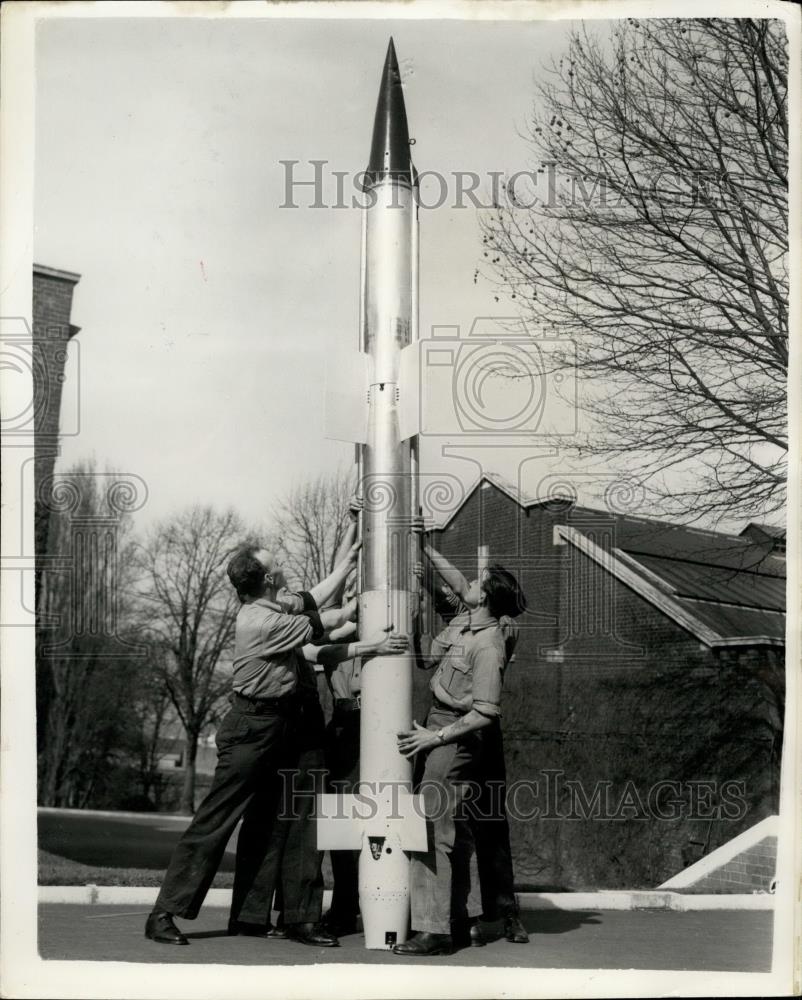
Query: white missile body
x=373 y=400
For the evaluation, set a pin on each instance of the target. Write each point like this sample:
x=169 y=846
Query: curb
x=113 y=814
x=116 y=895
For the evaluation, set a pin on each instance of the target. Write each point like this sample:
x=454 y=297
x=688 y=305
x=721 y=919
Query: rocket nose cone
x=389 y=151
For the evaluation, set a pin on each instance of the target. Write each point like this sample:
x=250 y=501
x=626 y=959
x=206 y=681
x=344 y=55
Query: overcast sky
x=208 y=310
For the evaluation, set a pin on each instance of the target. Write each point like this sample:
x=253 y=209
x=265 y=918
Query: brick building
x=52 y=329
x=642 y=714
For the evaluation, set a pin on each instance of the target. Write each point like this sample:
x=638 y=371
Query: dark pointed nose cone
x=389 y=151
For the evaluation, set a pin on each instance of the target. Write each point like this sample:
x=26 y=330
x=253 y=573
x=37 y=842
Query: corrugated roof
x=643 y=536
x=733 y=585
x=730 y=621
x=717 y=583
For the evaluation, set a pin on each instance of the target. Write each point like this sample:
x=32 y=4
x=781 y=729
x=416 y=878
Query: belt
x=282 y=703
x=348 y=704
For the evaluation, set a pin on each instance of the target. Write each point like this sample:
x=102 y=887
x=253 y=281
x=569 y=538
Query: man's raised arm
x=349 y=537
x=323 y=592
x=450 y=574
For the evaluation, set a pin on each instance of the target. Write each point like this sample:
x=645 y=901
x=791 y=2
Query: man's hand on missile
x=417 y=739
x=349 y=610
x=417 y=570
x=387 y=643
x=353 y=553
x=355 y=505
x=418 y=525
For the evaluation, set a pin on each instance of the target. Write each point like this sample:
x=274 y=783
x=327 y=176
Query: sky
x=209 y=313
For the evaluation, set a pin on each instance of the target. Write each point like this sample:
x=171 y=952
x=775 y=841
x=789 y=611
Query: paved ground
x=721 y=941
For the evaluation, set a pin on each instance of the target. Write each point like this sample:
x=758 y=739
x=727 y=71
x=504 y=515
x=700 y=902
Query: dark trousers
x=342 y=762
x=491 y=830
x=291 y=864
x=252 y=747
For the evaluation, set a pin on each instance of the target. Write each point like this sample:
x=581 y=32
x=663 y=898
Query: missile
x=373 y=400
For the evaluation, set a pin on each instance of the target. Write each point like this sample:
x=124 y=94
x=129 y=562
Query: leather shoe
x=337 y=925
x=424 y=943
x=477 y=937
x=237 y=927
x=515 y=931
x=312 y=934
x=160 y=927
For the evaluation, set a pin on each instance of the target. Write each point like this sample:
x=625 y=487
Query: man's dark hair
x=246 y=573
x=504 y=594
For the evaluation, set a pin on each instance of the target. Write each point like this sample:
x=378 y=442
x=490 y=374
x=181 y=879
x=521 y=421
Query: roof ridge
x=502 y=482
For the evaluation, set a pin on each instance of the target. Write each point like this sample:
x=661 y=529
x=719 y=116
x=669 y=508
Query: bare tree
x=190 y=608
x=309 y=524
x=657 y=243
x=154 y=715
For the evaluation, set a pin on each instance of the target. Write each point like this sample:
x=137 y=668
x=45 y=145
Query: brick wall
x=753 y=870
x=608 y=693
x=52 y=306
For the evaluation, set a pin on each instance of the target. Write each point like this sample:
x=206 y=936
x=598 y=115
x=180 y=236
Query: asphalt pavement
x=718 y=940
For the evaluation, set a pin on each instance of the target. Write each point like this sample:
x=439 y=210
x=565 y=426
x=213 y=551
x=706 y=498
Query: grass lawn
x=55 y=870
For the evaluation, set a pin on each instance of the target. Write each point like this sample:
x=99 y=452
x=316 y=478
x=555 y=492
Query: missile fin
x=339 y=827
x=409 y=386
x=344 y=820
x=347 y=381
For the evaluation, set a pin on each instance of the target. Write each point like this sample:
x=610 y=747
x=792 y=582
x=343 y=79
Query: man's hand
x=353 y=553
x=417 y=739
x=417 y=570
x=388 y=645
x=355 y=505
x=418 y=526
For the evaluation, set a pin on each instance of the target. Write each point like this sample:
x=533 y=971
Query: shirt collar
x=263 y=602
x=477 y=626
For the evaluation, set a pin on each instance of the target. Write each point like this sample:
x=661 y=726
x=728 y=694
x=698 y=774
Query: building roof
x=775 y=531
x=54 y=272
x=725 y=589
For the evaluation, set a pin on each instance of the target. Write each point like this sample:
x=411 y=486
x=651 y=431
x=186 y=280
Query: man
x=488 y=814
x=292 y=863
x=489 y=823
x=470 y=657
x=256 y=739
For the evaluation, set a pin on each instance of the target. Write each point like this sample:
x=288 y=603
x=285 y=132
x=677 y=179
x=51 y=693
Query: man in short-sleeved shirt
x=469 y=656
x=256 y=739
x=265 y=649
x=488 y=814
